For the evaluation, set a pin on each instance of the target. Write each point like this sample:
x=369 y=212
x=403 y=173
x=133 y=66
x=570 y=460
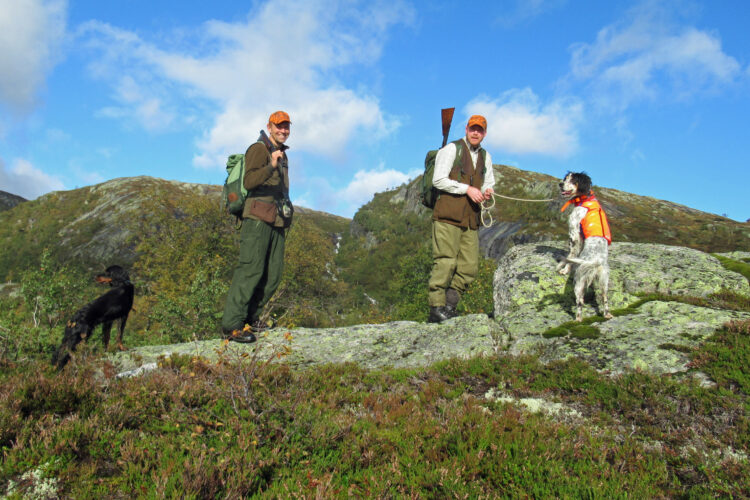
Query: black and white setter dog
x=589 y=239
x=113 y=305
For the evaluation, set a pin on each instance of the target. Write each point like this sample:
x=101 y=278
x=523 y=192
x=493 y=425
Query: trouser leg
x=274 y=269
x=255 y=238
x=445 y=247
x=467 y=261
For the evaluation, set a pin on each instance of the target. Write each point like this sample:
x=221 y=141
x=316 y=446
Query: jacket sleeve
x=489 y=175
x=258 y=167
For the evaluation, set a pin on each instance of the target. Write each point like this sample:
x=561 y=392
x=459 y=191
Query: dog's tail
x=582 y=262
x=573 y=260
x=587 y=270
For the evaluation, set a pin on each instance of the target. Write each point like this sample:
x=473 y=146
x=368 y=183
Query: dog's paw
x=608 y=315
x=564 y=270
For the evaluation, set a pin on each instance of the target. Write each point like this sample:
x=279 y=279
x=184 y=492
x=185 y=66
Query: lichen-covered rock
x=657 y=339
x=398 y=344
x=530 y=298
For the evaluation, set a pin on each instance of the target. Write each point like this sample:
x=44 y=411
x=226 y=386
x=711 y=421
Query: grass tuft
x=575 y=329
x=737 y=266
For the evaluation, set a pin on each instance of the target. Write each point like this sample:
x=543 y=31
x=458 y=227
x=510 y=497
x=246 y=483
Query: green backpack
x=430 y=193
x=234 y=192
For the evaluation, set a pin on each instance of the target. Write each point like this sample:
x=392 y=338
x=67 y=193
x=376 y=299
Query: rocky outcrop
x=397 y=344
x=530 y=298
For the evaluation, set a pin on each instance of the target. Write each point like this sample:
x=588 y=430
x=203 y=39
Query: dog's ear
x=583 y=181
x=116 y=273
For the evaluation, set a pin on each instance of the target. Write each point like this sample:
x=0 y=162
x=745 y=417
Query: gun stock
x=447 y=117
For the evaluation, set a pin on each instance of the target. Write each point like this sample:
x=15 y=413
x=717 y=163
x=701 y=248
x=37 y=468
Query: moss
x=676 y=347
x=585 y=332
x=736 y=266
x=575 y=329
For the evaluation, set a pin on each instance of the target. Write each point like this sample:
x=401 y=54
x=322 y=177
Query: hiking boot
x=258 y=326
x=452 y=297
x=240 y=336
x=437 y=315
x=450 y=312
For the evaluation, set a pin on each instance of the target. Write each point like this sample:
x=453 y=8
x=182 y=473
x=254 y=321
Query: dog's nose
x=560 y=185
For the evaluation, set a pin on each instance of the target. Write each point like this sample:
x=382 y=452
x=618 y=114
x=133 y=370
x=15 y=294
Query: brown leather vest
x=458 y=209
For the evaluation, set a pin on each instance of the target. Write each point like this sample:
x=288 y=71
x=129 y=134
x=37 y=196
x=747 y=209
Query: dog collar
x=578 y=200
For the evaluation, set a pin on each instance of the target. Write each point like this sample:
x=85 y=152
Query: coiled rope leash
x=486 y=209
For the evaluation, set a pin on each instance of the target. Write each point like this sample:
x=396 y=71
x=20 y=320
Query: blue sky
x=647 y=97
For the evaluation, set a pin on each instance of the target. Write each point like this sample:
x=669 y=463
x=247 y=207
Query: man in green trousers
x=463 y=175
x=265 y=218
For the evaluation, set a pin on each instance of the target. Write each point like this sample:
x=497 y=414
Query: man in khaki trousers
x=464 y=177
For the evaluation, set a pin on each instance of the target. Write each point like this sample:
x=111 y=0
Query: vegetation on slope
x=194 y=429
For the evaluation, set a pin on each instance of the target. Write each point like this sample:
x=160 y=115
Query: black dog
x=115 y=304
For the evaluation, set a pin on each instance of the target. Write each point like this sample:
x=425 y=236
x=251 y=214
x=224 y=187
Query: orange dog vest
x=595 y=222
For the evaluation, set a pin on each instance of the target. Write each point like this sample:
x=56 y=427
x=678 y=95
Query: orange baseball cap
x=478 y=120
x=279 y=117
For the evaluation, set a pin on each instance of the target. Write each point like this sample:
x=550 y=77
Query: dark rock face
x=8 y=200
x=495 y=241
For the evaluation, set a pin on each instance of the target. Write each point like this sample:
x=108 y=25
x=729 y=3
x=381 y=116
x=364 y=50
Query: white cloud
x=649 y=55
x=368 y=182
x=140 y=105
x=318 y=192
x=525 y=10
x=23 y=179
x=31 y=32
x=518 y=123
x=240 y=72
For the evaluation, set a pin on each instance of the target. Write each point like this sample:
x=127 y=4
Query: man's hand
x=275 y=158
x=474 y=194
x=488 y=193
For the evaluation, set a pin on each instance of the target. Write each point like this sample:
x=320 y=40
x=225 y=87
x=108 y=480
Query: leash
x=485 y=213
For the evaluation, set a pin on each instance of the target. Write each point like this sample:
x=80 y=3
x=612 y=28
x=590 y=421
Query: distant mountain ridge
x=9 y=200
x=91 y=227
